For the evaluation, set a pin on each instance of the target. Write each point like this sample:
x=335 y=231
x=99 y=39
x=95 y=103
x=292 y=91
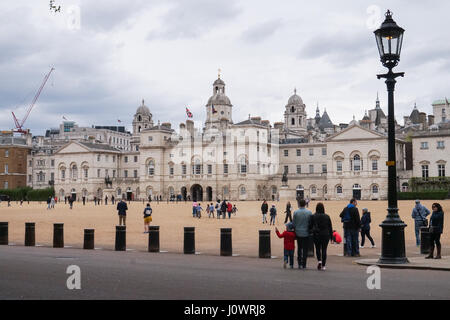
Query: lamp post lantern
x=389 y=39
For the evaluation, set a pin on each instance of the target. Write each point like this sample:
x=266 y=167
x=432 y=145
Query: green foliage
x=430 y=184
x=28 y=193
x=423 y=195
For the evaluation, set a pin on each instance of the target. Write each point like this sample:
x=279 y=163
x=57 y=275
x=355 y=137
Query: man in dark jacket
x=264 y=210
x=352 y=222
x=122 y=211
x=223 y=209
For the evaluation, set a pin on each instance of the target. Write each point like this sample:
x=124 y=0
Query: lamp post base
x=393 y=241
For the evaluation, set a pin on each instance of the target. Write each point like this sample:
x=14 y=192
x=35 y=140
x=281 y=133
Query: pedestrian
x=194 y=208
x=84 y=200
x=436 y=229
x=71 y=200
x=288 y=213
x=199 y=210
x=307 y=201
x=264 y=210
x=106 y=200
x=211 y=210
x=223 y=209
x=65 y=199
x=95 y=200
x=234 y=210
x=302 y=224
x=229 y=209
x=49 y=199
x=273 y=214
x=21 y=202
x=52 y=203
x=365 y=228
x=289 y=244
x=147 y=217
x=122 y=211
x=419 y=214
x=351 y=223
x=336 y=237
x=207 y=210
x=113 y=199
x=322 y=230
x=218 y=209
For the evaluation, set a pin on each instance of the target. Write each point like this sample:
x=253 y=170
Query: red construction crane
x=19 y=126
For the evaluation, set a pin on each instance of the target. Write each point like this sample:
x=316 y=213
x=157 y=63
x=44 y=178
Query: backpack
x=346 y=217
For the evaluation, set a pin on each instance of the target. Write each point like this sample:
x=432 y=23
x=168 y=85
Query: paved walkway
x=414 y=263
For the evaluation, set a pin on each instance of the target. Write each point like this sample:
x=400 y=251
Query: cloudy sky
x=111 y=54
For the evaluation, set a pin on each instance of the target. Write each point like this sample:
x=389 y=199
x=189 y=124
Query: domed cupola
x=295 y=114
x=142 y=119
x=219 y=107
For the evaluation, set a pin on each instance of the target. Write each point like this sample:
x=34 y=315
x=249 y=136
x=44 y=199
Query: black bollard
x=264 y=244
x=310 y=246
x=121 y=243
x=4 y=233
x=58 y=235
x=153 y=239
x=30 y=238
x=225 y=242
x=88 y=239
x=189 y=240
x=425 y=240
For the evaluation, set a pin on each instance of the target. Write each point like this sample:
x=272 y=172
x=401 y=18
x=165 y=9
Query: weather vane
x=53 y=7
x=219 y=70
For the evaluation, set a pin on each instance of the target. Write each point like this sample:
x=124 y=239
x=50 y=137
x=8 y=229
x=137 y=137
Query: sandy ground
x=172 y=218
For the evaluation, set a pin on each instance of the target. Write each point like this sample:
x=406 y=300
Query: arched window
x=74 y=171
x=313 y=190
x=151 y=168
x=292 y=109
x=293 y=121
x=139 y=118
x=375 y=188
x=339 y=189
x=357 y=163
x=242 y=191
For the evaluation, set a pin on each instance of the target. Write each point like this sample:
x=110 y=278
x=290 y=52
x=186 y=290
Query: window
x=313 y=190
x=114 y=173
x=135 y=175
x=63 y=174
x=374 y=188
x=286 y=169
x=292 y=109
x=299 y=169
x=106 y=173
x=197 y=167
x=243 y=166
x=299 y=152
x=339 y=166
x=151 y=168
x=126 y=159
x=324 y=168
x=6 y=185
x=86 y=173
x=135 y=159
x=114 y=158
x=311 y=168
x=30 y=178
x=52 y=162
x=243 y=191
x=6 y=168
x=425 y=171
x=52 y=176
x=6 y=153
x=125 y=173
x=374 y=165
x=441 y=170
x=356 y=163
x=339 y=189
x=209 y=168
x=440 y=145
x=424 y=145
x=286 y=153
x=98 y=157
x=74 y=172
x=98 y=173
x=293 y=121
x=183 y=169
x=311 y=151
x=324 y=151
x=150 y=138
x=225 y=168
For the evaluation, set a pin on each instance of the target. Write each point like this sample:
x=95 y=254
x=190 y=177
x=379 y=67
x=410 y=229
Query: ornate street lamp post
x=389 y=41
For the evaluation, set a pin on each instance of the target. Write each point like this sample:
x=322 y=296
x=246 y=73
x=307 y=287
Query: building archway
x=197 y=192
x=300 y=192
x=209 y=194
x=357 y=191
x=184 y=193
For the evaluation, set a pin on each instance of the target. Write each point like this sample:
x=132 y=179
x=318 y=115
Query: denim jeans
x=354 y=242
x=302 y=251
x=417 y=225
x=264 y=219
x=289 y=257
x=348 y=242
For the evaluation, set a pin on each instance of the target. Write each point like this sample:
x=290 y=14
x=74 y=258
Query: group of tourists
x=50 y=203
x=220 y=208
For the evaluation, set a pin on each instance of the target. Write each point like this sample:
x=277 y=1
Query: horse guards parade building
x=248 y=160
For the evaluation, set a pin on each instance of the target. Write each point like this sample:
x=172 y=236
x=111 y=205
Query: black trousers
x=288 y=216
x=365 y=233
x=435 y=239
x=321 y=244
x=302 y=251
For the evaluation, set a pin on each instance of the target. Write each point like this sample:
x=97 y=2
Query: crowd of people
x=221 y=208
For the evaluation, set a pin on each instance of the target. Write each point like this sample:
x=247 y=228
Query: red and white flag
x=189 y=113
